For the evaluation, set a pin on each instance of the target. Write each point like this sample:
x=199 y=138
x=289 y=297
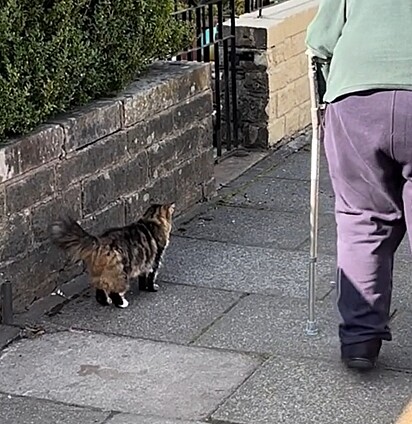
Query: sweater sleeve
x=324 y=31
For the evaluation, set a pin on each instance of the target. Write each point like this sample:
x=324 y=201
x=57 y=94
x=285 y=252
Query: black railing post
x=233 y=73
x=6 y=296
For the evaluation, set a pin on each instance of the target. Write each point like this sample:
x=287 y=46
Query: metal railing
x=253 y=5
x=214 y=42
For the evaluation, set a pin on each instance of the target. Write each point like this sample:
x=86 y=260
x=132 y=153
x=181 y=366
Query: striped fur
x=119 y=254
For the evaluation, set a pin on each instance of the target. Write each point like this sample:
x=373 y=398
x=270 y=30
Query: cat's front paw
x=154 y=288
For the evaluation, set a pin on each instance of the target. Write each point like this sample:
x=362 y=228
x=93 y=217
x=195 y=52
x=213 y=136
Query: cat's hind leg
x=103 y=298
x=147 y=282
x=119 y=300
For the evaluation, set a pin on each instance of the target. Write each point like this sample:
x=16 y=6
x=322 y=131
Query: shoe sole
x=361 y=364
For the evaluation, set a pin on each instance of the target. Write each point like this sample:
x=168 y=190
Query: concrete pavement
x=223 y=340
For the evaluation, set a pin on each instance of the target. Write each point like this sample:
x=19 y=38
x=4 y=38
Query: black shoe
x=361 y=356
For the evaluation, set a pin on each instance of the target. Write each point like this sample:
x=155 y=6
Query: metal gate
x=213 y=23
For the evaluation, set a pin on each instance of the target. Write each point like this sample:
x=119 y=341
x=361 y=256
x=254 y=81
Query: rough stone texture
x=38 y=148
x=14 y=235
x=272 y=71
x=135 y=419
x=146 y=97
x=92 y=159
x=117 y=373
x=282 y=196
x=91 y=123
x=241 y=268
x=7 y=335
x=175 y=313
x=292 y=391
x=275 y=230
x=30 y=190
x=103 y=164
x=276 y=326
x=18 y=410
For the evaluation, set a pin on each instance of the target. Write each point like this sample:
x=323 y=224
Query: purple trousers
x=368 y=144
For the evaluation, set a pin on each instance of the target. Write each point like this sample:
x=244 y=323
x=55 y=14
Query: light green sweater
x=368 y=43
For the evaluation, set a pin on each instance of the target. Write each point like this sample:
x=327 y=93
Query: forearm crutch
x=317 y=87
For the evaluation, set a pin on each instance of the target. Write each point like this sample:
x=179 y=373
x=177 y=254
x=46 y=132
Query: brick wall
x=103 y=164
x=273 y=92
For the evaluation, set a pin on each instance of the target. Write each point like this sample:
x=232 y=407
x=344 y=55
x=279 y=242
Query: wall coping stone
x=162 y=86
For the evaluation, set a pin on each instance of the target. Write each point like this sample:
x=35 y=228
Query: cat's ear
x=172 y=208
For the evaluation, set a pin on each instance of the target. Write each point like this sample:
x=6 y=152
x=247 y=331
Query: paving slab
x=290 y=391
x=277 y=326
x=241 y=268
x=297 y=167
x=271 y=161
x=23 y=410
x=7 y=335
x=138 y=419
x=123 y=374
x=281 y=195
x=175 y=313
x=249 y=227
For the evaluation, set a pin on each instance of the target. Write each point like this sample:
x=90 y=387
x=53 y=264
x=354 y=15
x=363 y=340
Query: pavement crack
x=216 y=320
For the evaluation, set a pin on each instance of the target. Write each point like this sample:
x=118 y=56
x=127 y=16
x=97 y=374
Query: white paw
x=125 y=304
x=109 y=300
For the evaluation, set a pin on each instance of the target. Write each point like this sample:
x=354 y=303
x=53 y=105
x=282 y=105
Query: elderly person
x=368 y=144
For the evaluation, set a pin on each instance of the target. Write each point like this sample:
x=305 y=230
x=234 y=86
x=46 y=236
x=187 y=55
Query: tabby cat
x=119 y=254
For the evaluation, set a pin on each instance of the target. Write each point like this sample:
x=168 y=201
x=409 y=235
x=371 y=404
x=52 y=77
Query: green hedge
x=57 y=54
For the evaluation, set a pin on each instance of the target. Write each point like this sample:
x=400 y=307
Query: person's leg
x=403 y=151
x=367 y=183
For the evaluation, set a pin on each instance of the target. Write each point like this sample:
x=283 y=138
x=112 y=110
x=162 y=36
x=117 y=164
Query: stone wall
x=273 y=87
x=103 y=164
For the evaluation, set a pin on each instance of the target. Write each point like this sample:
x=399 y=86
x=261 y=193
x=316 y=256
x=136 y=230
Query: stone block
x=292 y=120
x=24 y=410
x=194 y=109
x=257 y=82
x=63 y=203
x=152 y=130
x=90 y=123
x=118 y=373
x=305 y=114
x=166 y=155
x=7 y=335
x=109 y=186
x=166 y=85
x=282 y=196
x=15 y=237
x=233 y=225
x=31 y=151
x=34 y=275
x=295 y=45
x=233 y=267
x=92 y=159
x=138 y=419
x=255 y=135
x=277 y=130
x=162 y=190
x=293 y=95
x=150 y=315
x=110 y=217
x=290 y=22
x=291 y=390
x=29 y=190
x=250 y=37
x=287 y=72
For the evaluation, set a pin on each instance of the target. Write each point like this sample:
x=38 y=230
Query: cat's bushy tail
x=70 y=236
